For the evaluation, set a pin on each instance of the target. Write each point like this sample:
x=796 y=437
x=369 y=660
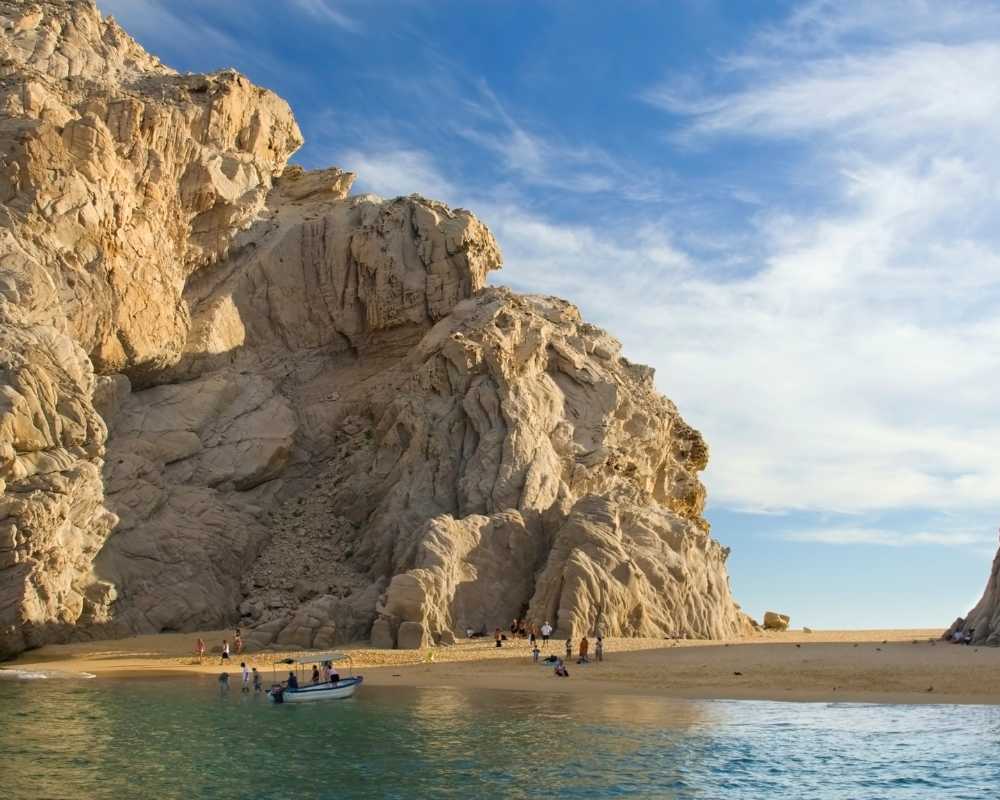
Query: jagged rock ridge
x=233 y=392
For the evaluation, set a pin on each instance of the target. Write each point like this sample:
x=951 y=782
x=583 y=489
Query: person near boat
x=293 y=681
x=315 y=675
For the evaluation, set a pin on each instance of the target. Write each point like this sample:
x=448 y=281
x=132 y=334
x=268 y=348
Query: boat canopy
x=315 y=658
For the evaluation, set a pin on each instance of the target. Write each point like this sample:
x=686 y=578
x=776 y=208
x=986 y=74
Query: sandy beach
x=885 y=666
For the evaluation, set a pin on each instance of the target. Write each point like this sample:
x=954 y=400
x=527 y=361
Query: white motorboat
x=297 y=690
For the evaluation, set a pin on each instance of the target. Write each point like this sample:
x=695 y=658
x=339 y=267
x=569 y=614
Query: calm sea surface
x=94 y=739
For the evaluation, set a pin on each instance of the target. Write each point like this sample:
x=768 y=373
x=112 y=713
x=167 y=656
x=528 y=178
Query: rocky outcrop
x=233 y=392
x=982 y=623
x=773 y=621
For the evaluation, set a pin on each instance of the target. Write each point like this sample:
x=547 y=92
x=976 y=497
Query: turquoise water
x=95 y=739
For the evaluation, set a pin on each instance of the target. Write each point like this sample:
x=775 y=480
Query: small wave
x=41 y=675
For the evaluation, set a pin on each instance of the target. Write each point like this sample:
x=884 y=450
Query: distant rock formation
x=232 y=393
x=982 y=623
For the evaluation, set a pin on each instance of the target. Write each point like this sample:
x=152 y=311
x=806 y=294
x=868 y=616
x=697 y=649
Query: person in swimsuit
x=496 y=635
x=199 y=649
x=257 y=688
x=225 y=651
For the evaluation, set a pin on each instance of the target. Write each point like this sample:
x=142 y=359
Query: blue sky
x=788 y=209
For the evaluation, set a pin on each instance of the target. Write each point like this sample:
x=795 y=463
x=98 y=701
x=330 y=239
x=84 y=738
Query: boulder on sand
x=773 y=621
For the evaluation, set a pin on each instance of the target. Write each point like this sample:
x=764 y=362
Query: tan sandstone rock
x=773 y=621
x=323 y=425
x=983 y=621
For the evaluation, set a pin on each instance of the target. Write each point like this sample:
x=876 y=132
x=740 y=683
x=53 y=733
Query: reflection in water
x=181 y=739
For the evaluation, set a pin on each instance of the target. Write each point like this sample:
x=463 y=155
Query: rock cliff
x=982 y=623
x=234 y=393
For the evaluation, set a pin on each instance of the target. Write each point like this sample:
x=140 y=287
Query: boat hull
x=321 y=691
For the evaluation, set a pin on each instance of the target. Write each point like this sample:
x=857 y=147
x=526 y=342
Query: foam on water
x=42 y=675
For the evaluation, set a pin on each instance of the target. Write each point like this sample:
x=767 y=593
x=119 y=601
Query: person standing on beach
x=199 y=648
x=599 y=649
x=569 y=646
x=546 y=633
x=246 y=677
x=513 y=629
x=225 y=650
x=584 y=649
x=535 y=652
x=238 y=641
x=496 y=635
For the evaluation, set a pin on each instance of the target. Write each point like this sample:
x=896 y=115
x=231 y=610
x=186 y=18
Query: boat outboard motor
x=278 y=693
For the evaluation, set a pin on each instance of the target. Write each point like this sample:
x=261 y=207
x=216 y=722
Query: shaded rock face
x=983 y=621
x=232 y=393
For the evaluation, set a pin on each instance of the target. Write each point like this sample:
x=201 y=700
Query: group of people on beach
x=200 y=649
x=538 y=638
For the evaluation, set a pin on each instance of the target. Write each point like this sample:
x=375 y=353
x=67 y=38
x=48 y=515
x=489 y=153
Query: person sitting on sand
x=584 y=649
x=956 y=637
x=599 y=649
x=225 y=651
x=967 y=639
x=293 y=681
x=315 y=675
x=497 y=635
x=561 y=670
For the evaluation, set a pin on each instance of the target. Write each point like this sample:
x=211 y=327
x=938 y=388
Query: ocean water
x=94 y=739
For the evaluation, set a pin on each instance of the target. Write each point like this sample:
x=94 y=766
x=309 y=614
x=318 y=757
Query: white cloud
x=887 y=538
x=392 y=170
x=326 y=11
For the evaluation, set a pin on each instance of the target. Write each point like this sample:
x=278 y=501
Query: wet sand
x=883 y=666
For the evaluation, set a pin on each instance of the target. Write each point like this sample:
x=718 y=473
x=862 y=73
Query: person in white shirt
x=546 y=633
x=246 y=677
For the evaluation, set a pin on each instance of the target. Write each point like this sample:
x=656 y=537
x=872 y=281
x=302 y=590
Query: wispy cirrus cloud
x=887 y=538
x=327 y=11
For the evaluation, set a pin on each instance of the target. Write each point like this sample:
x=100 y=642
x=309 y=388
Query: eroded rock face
x=231 y=392
x=983 y=621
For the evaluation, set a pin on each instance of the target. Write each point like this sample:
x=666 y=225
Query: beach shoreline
x=876 y=666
